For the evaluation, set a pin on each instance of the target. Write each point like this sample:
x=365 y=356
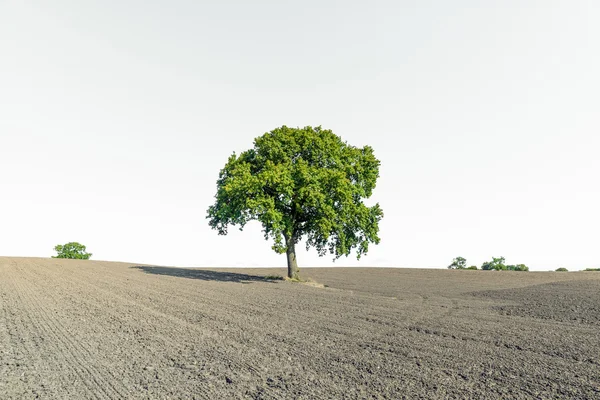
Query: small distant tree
x=72 y=250
x=496 y=264
x=472 y=267
x=592 y=269
x=562 y=269
x=458 y=263
x=522 y=267
x=518 y=267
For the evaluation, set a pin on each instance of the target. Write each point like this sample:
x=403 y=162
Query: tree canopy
x=458 y=263
x=72 y=250
x=301 y=183
x=497 y=264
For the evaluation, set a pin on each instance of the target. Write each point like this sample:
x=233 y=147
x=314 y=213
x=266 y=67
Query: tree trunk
x=293 y=271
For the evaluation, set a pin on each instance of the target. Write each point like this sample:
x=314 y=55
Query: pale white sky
x=116 y=117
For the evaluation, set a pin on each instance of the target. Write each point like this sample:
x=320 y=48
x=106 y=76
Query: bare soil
x=92 y=329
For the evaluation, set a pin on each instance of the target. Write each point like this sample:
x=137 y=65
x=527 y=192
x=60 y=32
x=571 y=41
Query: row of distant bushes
x=78 y=251
x=496 y=264
x=562 y=269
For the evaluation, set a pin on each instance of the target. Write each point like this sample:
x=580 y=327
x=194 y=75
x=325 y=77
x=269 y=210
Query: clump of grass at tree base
x=307 y=281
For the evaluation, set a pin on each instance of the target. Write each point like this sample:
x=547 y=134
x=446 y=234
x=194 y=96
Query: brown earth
x=92 y=329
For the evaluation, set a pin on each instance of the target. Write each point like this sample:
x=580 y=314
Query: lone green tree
x=301 y=183
x=72 y=250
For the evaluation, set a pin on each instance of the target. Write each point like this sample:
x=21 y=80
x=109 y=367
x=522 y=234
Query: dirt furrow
x=245 y=312
x=31 y=334
x=240 y=312
x=74 y=353
x=117 y=307
x=18 y=349
x=297 y=351
x=161 y=332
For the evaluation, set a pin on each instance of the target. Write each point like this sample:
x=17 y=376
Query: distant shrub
x=496 y=264
x=562 y=269
x=472 y=267
x=72 y=250
x=518 y=267
x=458 y=263
x=592 y=269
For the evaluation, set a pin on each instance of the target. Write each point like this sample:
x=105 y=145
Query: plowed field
x=100 y=330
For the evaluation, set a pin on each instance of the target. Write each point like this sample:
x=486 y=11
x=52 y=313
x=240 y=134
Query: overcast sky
x=116 y=117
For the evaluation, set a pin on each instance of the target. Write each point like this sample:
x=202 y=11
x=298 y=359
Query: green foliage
x=592 y=269
x=301 y=182
x=518 y=267
x=72 y=250
x=458 y=263
x=472 y=267
x=562 y=269
x=496 y=264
